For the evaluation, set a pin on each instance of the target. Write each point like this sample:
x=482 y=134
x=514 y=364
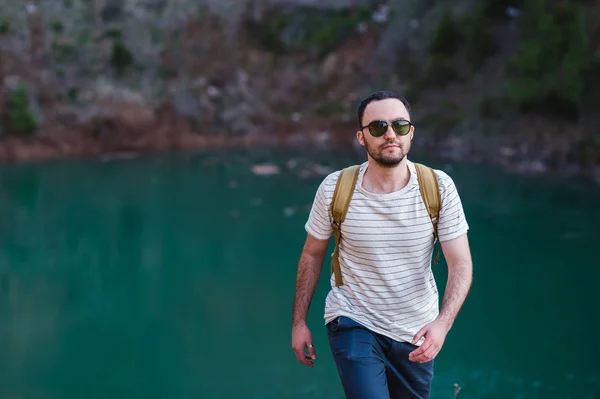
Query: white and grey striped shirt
x=386 y=252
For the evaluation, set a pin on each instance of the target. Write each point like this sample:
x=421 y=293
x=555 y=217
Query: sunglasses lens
x=378 y=128
x=401 y=127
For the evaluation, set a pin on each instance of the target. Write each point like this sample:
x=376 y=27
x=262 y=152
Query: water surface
x=173 y=276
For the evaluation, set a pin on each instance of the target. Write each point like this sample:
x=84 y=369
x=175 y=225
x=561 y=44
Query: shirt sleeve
x=452 y=222
x=318 y=224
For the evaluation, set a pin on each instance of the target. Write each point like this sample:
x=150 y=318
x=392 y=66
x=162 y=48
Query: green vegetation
x=4 y=26
x=440 y=121
x=114 y=34
x=448 y=36
x=73 y=94
x=306 y=29
x=121 y=57
x=468 y=38
x=19 y=117
x=63 y=52
x=58 y=27
x=479 y=39
x=548 y=73
x=84 y=38
x=552 y=71
x=445 y=44
x=328 y=108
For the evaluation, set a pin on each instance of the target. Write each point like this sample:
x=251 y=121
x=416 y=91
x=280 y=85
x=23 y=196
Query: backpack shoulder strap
x=430 y=192
x=340 y=202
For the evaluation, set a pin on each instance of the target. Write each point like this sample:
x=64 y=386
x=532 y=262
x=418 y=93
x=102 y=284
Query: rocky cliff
x=516 y=81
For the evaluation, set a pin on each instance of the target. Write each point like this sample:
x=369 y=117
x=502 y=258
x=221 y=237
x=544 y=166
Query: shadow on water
x=173 y=276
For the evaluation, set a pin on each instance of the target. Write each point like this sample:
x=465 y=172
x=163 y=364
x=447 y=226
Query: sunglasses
x=378 y=128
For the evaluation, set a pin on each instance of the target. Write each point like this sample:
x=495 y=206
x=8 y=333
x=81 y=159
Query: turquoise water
x=173 y=277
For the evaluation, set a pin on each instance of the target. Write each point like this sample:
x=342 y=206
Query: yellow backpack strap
x=340 y=202
x=430 y=192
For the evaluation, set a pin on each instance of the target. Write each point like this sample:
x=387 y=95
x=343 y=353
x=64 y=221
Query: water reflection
x=174 y=276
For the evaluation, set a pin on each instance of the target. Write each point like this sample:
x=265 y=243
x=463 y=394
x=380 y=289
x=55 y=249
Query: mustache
x=391 y=143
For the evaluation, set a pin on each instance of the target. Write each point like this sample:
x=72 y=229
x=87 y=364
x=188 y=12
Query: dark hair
x=376 y=96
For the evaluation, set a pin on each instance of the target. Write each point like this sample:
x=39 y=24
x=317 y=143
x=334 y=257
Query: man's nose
x=389 y=133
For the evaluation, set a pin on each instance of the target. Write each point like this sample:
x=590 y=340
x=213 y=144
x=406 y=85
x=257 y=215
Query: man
x=384 y=323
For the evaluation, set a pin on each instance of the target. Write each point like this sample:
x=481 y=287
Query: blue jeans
x=372 y=366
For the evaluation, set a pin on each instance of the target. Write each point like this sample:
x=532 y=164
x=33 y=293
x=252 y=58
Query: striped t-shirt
x=386 y=252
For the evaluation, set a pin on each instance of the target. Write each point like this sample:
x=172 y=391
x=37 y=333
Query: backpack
x=342 y=195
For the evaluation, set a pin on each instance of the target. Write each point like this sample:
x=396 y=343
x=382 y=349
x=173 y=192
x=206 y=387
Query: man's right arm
x=309 y=270
x=319 y=229
x=307 y=278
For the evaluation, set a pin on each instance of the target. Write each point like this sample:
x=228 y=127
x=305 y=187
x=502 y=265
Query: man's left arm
x=460 y=275
x=452 y=228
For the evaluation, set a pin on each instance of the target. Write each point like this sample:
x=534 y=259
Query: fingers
x=309 y=359
x=418 y=353
x=311 y=351
x=427 y=352
x=419 y=335
x=302 y=356
x=430 y=354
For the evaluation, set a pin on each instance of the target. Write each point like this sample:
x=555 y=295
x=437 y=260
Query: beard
x=386 y=160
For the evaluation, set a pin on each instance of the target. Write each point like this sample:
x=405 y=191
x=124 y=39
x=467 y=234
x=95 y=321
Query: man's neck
x=382 y=180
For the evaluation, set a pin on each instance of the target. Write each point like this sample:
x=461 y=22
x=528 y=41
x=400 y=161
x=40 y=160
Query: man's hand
x=435 y=335
x=309 y=270
x=301 y=340
x=460 y=275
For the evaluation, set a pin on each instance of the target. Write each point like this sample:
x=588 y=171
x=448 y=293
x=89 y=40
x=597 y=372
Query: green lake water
x=173 y=277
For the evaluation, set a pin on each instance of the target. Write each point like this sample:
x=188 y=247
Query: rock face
x=93 y=76
x=235 y=67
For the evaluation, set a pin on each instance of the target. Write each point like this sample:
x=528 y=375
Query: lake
x=172 y=276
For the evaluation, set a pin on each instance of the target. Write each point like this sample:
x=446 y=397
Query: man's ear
x=360 y=138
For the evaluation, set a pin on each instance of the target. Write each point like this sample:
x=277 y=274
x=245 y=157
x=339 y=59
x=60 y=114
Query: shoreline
x=18 y=150
x=15 y=150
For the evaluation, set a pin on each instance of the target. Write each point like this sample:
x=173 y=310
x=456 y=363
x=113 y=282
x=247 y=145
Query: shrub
x=479 y=39
x=447 y=37
x=306 y=29
x=19 y=117
x=121 y=56
x=469 y=37
x=547 y=74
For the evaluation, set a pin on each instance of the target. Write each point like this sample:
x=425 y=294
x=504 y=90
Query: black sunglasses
x=378 y=128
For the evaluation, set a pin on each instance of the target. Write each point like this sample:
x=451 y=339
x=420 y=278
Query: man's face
x=390 y=149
